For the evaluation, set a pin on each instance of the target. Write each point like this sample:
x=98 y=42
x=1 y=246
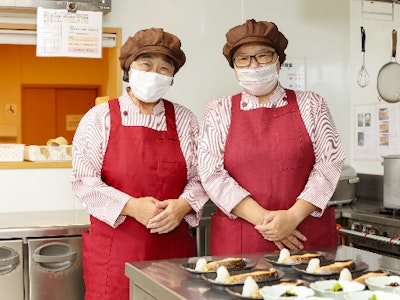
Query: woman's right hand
x=142 y=209
x=292 y=242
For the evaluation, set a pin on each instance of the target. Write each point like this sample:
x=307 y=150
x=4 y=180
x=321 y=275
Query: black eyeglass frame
x=255 y=57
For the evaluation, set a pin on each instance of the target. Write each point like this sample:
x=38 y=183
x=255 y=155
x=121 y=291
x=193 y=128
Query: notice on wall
x=377 y=131
x=72 y=122
x=70 y=34
x=293 y=74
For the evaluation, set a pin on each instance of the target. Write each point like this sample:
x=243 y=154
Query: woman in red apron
x=269 y=157
x=139 y=201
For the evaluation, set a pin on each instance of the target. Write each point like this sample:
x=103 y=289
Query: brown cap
x=253 y=31
x=154 y=40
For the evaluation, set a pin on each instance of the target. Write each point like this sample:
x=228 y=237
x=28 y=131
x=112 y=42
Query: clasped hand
x=278 y=226
x=158 y=216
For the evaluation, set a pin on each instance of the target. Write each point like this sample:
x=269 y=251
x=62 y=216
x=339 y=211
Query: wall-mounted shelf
x=370 y=12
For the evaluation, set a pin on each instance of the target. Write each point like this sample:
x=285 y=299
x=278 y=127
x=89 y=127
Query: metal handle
x=12 y=260
x=374 y=237
x=363 y=39
x=394 y=42
x=354 y=180
x=47 y=259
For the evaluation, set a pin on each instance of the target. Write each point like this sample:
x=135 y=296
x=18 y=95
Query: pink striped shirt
x=89 y=146
x=226 y=193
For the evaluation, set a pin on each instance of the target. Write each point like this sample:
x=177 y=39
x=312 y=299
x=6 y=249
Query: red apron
x=140 y=162
x=270 y=154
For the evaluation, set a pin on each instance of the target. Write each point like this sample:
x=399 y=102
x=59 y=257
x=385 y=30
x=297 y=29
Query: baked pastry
x=256 y=275
x=300 y=258
x=363 y=277
x=335 y=267
x=230 y=263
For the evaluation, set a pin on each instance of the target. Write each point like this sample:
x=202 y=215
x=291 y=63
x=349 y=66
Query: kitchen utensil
x=389 y=76
x=363 y=76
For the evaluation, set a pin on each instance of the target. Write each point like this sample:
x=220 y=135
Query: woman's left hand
x=173 y=211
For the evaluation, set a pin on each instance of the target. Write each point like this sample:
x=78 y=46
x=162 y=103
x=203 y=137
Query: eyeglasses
x=264 y=57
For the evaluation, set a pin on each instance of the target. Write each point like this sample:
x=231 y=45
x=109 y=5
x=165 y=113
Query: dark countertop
x=166 y=279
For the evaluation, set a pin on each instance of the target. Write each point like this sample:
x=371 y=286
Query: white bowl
x=275 y=292
x=323 y=288
x=381 y=283
x=366 y=295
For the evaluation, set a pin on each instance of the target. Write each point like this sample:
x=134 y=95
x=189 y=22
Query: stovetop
x=370 y=211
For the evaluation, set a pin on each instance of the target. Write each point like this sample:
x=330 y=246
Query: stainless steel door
x=11 y=270
x=55 y=269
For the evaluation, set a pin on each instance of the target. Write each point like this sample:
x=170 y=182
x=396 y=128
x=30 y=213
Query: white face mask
x=260 y=81
x=149 y=87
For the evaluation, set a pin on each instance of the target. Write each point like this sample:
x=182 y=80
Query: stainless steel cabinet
x=55 y=268
x=11 y=269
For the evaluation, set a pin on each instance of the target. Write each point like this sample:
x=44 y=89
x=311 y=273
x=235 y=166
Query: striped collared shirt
x=90 y=144
x=225 y=191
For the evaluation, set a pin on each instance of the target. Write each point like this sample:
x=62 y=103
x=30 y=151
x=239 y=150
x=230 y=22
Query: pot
x=346 y=189
x=391 y=181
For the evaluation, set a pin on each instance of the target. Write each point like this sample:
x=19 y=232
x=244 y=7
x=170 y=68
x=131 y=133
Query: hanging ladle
x=363 y=76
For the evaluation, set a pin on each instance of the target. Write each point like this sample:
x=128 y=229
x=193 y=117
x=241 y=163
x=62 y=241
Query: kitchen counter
x=167 y=280
x=35 y=164
x=43 y=223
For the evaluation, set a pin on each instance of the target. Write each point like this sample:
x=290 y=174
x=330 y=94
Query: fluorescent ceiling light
x=28 y=37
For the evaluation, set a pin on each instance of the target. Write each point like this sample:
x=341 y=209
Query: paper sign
x=70 y=34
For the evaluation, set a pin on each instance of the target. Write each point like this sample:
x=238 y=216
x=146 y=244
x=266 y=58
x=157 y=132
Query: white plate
x=275 y=292
x=323 y=288
x=237 y=290
x=210 y=277
x=382 y=283
x=366 y=295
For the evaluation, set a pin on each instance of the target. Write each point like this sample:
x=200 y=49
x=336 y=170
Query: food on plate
x=337 y=287
x=283 y=254
x=289 y=293
x=335 y=267
x=229 y=263
x=300 y=258
x=394 y=284
x=313 y=265
x=290 y=283
x=345 y=275
x=363 y=277
x=256 y=275
x=250 y=288
x=201 y=262
x=373 y=297
x=222 y=274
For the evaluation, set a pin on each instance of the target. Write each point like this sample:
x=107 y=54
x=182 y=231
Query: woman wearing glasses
x=269 y=158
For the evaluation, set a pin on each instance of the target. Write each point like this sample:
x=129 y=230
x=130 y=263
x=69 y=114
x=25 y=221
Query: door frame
x=113 y=89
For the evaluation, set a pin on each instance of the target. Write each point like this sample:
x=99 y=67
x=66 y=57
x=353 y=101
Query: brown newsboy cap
x=253 y=31
x=154 y=40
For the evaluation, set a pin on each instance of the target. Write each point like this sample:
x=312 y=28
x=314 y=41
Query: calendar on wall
x=293 y=74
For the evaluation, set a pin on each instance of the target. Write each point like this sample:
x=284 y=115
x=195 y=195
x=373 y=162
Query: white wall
x=316 y=29
x=378 y=29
